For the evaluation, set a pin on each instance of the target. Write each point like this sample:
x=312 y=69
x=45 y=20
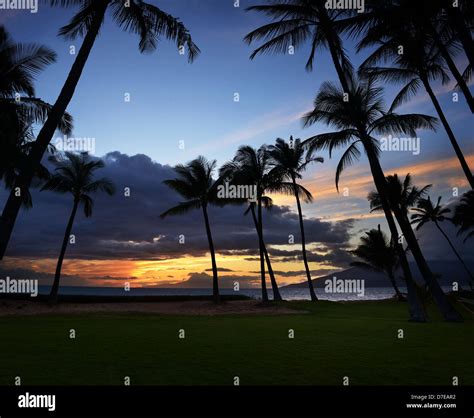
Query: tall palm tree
x=427 y=212
x=149 y=22
x=378 y=254
x=251 y=167
x=196 y=184
x=464 y=215
x=418 y=65
x=357 y=121
x=290 y=160
x=75 y=175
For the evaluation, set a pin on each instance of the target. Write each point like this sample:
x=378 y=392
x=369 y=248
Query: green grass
x=358 y=340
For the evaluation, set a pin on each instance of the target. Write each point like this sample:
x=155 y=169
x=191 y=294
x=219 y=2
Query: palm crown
x=195 y=184
x=404 y=194
x=377 y=252
x=75 y=175
x=147 y=21
x=357 y=120
x=296 y=22
x=290 y=159
x=426 y=211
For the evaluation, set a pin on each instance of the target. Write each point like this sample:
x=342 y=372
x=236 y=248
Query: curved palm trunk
x=53 y=295
x=13 y=205
x=417 y=312
x=456 y=253
x=276 y=291
x=393 y=282
x=261 y=245
x=416 y=309
x=314 y=298
x=447 y=127
x=215 y=280
x=444 y=305
x=452 y=67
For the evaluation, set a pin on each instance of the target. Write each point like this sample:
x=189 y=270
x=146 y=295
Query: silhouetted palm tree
x=464 y=215
x=136 y=16
x=378 y=254
x=290 y=160
x=251 y=167
x=19 y=109
x=426 y=16
x=460 y=15
x=196 y=184
x=295 y=22
x=404 y=194
x=75 y=175
x=357 y=120
x=427 y=212
x=418 y=65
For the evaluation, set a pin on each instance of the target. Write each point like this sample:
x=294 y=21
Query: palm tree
x=358 y=120
x=75 y=175
x=378 y=254
x=251 y=167
x=290 y=160
x=427 y=16
x=418 y=65
x=195 y=184
x=464 y=215
x=403 y=194
x=427 y=212
x=136 y=16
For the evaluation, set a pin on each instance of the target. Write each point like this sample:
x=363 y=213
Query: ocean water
x=373 y=293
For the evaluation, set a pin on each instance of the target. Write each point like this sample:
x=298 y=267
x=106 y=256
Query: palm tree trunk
x=444 y=305
x=276 y=291
x=12 y=207
x=262 y=257
x=400 y=297
x=314 y=298
x=456 y=20
x=452 y=67
x=53 y=295
x=417 y=312
x=215 y=279
x=456 y=253
x=452 y=138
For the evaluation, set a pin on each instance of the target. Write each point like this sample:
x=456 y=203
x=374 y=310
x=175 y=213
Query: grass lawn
x=358 y=340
